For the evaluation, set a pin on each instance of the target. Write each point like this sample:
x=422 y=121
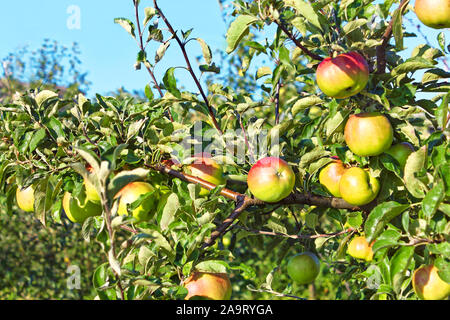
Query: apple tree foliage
x=47 y=142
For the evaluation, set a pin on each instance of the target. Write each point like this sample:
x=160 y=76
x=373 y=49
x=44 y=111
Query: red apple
x=401 y=152
x=433 y=13
x=205 y=285
x=343 y=76
x=330 y=176
x=428 y=285
x=207 y=169
x=368 y=134
x=271 y=179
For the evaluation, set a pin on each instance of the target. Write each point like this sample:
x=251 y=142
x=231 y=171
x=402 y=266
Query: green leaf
x=441 y=112
x=400 y=261
x=215 y=266
x=433 y=199
x=123 y=178
x=238 y=29
x=37 y=138
x=149 y=93
x=169 y=211
x=380 y=216
x=307 y=11
x=127 y=25
x=304 y=103
x=161 y=51
x=411 y=65
x=415 y=162
x=171 y=83
x=100 y=280
x=206 y=50
x=150 y=12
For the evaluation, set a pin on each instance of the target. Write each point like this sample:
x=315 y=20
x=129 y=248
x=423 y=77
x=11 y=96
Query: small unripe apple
x=211 y=286
x=358 y=187
x=343 y=76
x=207 y=169
x=91 y=191
x=25 y=198
x=130 y=193
x=359 y=248
x=433 y=13
x=315 y=112
x=271 y=179
x=79 y=213
x=303 y=268
x=330 y=176
x=368 y=134
x=401 y=152
x=428 y=285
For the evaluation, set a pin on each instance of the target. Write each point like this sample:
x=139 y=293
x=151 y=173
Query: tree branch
x=381 y=49
x=189 y=67
x=297 y=42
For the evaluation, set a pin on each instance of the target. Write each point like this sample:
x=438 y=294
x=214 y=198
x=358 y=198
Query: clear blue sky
x=108 y=52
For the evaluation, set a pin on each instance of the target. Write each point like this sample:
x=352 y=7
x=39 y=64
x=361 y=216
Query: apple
x=433 y=13
x=330 y=176
x=315 y=112
x=368 y=134
x=401 y=152
x=428 y=285
x=130 y=193
x=343 y=76
x=271 y=179
x=303 y=268
x=206 y=285
x=79 y=213
x=25 y=198
x=358 y=187
x=91 y=191
x=359 y=248
x=207 y=169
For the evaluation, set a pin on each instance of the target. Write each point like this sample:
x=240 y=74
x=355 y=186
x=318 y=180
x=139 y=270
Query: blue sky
x=108 y=52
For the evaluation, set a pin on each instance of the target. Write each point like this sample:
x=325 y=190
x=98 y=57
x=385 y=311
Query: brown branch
x=141 y=46
x=277 y=103
x=297 y=42
x=243 y=201
x=381 y=49
x=189 y=67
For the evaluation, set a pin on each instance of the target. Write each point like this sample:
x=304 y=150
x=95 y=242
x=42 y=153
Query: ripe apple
x=211 y=286
x=207 y=169
x=343 y=76
x=91 y=192
x=79 y=213
x=130 y=193
x=368 y=134
x=25 y=198
x=358 y=186
x=330 y=176
x=359 y=248
x=303 y=268
x=401 y=152
x=271 y=179
x=428 y=285
x=433 y=13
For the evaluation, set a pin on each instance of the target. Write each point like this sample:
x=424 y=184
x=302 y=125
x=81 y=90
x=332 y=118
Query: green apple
x=401 y=152
x=210 y=286
x=303 y=268
x=428 y=285
x=77 y=212
x=433 y=13
x=25 y=198
x=330 y=176
x=342 y=76
x=358 y=187
x=359 y=248
x=206 y=169
x=368 y=134
x=315 y=112
x=130 y=193
x=271 y=179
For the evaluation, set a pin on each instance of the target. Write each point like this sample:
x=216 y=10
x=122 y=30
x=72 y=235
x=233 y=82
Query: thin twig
x=189 y=67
